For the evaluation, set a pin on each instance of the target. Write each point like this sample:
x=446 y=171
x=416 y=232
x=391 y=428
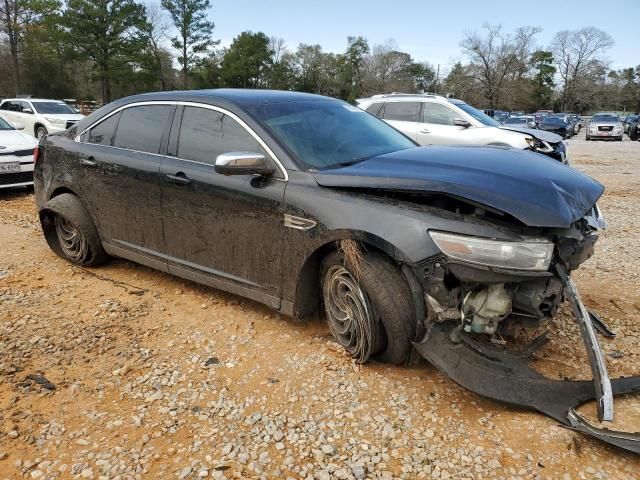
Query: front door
x=225 y=231
x=438 y=128
x=119 y=176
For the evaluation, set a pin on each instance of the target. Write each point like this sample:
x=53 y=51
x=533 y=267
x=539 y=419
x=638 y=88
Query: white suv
x=39 y=116
x=435 y=120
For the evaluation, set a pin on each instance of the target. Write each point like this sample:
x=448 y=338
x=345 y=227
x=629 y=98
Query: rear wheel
x=70 y=231
x=369 y=307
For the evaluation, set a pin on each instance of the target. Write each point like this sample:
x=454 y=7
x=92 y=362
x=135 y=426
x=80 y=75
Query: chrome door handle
x=425 y=130
x=88 y=162
x=179 y=178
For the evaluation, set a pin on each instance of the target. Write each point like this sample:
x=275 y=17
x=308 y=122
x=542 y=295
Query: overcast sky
x=429 y=31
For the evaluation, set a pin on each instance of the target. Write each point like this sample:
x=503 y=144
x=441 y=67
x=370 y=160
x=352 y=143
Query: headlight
x=56 y=121
x=592 y=129
x=537 y=145
x=528 y=255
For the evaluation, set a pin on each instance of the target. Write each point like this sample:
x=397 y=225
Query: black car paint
x=560 y=128
x=228 y=232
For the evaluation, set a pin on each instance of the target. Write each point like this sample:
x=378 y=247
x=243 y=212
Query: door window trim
x=285 y=175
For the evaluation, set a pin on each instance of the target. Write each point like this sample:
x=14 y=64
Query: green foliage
x=109 y=32
x=247 y=62
x=16 y=18
x=194 y=31
x=543 y=83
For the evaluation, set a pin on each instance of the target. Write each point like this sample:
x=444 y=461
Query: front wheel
x=369 y=306
x=41 y=132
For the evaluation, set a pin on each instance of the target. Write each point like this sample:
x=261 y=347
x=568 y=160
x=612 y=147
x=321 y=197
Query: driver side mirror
x=243 y=163
x=27 y=110
x=459 y=122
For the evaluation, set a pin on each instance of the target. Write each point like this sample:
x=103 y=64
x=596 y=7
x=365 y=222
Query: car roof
x=29 y=99
x=410 y=97
x=239 y=96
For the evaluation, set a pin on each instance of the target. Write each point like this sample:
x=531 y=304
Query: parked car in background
x=568 y=119
x=16 y=156
x=39 y=116
x=436 y=120
x=540 y=115
x=628 y=120
x=634 y=128
x=557 y=125
x=577 y=122
x=605 y=126
x=497 y=115
x=523 y=121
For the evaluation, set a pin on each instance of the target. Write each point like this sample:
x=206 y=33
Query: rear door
x=404 y=116
x=119 y=175
x=438 y=128
x=225 y=231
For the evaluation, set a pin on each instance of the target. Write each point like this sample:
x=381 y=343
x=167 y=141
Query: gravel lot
x=123 y=372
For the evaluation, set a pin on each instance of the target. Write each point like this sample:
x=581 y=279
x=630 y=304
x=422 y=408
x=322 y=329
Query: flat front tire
x=369 y=307
x=70 y=231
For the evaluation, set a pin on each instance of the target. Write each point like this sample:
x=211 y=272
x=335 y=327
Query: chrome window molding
x=274 y=158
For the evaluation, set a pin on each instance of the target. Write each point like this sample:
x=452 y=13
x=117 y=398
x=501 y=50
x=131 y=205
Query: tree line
x=106 y=49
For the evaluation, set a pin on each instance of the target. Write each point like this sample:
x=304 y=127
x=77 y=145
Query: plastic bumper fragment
x=507 y=377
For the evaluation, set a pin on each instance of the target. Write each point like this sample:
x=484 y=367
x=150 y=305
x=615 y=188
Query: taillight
x=36 y=154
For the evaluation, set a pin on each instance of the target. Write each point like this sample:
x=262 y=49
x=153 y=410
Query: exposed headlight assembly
x=538 y=145
x=532 y=255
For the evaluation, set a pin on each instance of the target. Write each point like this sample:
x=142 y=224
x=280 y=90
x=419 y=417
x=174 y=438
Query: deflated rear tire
x=369 y=307
x=70 y=231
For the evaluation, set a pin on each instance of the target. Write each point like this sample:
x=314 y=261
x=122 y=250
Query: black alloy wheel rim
x=72 y=242
x=349 y=313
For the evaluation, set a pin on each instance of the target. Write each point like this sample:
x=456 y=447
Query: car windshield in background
x=53 y=108
x=515 y=121
x=328 y=134
x=605 y=118
x=554 y=120
x=4 y=125
x=477 y=114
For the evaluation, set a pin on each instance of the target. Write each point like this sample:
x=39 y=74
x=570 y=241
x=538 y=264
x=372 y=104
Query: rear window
x=140 y=128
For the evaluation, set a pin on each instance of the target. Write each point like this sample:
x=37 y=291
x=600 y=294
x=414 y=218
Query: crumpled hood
x=545 y=136
x=535 y=189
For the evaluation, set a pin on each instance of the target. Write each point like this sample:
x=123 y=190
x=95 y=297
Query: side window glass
x=25 y=105
x=438 y=114
x=11 y=106
x=404 y=111
x=205 y=134
x=5 y=106
x=140 y=128
x=374 y=108
x=102 y=134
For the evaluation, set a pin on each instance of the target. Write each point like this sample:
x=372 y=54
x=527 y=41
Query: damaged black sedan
x=304 y=202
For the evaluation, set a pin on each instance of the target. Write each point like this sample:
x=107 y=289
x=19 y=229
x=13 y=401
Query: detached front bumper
x=505 y=376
